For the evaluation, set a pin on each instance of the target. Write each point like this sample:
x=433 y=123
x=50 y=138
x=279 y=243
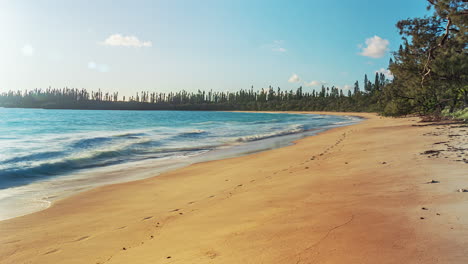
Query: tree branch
x=427 y=70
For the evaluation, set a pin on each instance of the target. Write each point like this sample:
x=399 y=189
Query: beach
x=386 y=190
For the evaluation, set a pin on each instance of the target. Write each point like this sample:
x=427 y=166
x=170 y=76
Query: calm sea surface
x=47 y=154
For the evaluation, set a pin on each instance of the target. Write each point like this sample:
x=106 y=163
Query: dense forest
x=430 y=77
x=328 y=98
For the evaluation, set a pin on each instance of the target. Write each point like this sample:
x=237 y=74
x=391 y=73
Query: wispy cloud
x=279 y=49
x=276 y=46
x=294 y=78
x=98 y=67
x=386 y=72
x=125 y=41
x=27 y=50
x=376 y=47
x=314 y=83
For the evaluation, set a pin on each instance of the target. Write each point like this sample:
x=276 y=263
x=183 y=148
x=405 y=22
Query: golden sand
x=355 y=194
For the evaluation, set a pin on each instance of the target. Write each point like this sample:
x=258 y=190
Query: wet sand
x=355 y=194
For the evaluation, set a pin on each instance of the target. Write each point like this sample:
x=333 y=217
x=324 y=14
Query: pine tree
x=356 y=88
x=430 y=70
x=367 y=84
x=377 y=82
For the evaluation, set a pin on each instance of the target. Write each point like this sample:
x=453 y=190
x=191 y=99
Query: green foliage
x=461 y=114
x=431 y=68
x=397 y=107
x=327 y=99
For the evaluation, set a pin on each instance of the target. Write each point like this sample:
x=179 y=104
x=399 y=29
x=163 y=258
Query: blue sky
x=130 y=46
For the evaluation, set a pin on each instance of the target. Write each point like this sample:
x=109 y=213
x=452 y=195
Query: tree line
x=429 y=76
x=325 y=99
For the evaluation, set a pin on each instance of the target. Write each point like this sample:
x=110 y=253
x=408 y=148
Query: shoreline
x=341 y=196
x=35 y=196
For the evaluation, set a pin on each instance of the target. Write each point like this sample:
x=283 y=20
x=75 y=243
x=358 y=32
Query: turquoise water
x=42 y=151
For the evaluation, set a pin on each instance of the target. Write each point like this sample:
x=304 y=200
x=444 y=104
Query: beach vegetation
x=430 y=68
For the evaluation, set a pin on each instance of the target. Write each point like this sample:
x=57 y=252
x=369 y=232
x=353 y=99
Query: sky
x=162 y=46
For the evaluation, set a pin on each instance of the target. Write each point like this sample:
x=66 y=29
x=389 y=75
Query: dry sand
x=356 y=194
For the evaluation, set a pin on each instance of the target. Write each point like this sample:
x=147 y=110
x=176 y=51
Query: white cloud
x=347 y=87
x=92 y=65
x=386 y=72
x=314 y=83
x=276 y=46
x=27 y=50
x=98 y=67
x=126 y=41
x=294 y=78
x=279 y=49
x=376 y=47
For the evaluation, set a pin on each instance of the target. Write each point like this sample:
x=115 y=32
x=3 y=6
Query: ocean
x=46 y=155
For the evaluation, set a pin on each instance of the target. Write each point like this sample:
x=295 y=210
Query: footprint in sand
x=212 y=254
x=81 y=239
x=12 y=241
x=51 y=251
